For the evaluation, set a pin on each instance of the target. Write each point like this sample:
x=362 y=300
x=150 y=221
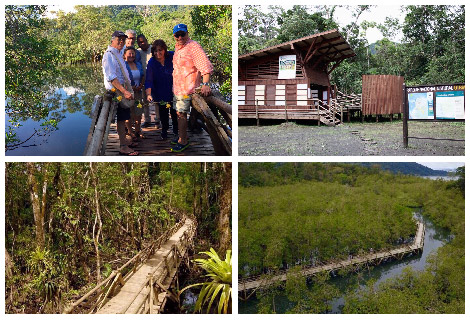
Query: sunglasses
x=180 y=34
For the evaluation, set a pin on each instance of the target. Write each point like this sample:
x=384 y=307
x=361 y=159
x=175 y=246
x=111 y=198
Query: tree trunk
x=8 y=265
x=38 y=211
x=97 y=225
x=223 y=223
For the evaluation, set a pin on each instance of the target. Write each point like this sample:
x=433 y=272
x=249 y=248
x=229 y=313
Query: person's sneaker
x=180 y=147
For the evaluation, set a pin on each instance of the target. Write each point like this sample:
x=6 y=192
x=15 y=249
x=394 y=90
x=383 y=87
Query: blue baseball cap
x=180 y=27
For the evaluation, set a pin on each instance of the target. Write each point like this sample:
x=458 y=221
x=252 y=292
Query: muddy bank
x=354 y=139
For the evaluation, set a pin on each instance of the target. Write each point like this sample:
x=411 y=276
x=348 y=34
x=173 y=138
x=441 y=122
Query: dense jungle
x=70 y=225
x=294 y=215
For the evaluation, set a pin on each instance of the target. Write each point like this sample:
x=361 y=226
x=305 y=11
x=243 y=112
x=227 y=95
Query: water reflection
x=70 y=94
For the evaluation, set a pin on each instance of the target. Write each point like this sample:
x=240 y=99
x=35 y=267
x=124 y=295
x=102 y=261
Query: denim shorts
x=182 y=104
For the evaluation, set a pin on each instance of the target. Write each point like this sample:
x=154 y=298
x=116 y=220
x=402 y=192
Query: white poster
x=287 y=67
x=450 y=105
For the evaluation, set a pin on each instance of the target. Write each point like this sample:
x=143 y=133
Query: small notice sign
x=287 y=67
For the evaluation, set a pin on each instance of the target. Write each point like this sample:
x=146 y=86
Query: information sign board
x=439 y=102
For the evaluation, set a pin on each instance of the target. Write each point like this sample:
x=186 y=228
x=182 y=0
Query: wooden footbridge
x=253 y=283
x=209 y=124
x=142 y=285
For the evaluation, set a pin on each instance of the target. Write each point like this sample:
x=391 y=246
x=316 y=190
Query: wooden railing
x=349 y=101
x=104 y=111
x=154 y=287
x=95 y=298
x=217 y=116
x=331 y=114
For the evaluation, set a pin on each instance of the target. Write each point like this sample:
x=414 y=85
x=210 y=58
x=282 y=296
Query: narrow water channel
x=435 y=237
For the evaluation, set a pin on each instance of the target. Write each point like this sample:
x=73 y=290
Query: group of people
x=154 y=76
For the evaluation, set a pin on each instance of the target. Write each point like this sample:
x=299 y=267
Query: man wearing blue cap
x=190 y=62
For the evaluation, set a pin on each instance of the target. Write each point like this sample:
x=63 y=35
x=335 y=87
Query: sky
x=377 y=14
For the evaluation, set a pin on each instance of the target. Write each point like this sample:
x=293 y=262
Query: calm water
x=434 y=238
x=71 y=94
x=446 y=178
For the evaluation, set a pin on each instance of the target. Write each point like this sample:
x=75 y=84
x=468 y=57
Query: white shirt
x=111 y=68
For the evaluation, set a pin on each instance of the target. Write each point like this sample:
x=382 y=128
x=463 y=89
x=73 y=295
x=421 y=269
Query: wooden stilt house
x=292 y=80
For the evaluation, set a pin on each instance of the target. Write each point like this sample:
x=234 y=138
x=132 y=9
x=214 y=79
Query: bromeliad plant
x=220 y=285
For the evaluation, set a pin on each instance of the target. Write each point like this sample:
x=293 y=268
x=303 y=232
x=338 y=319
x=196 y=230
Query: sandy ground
x=354 y=139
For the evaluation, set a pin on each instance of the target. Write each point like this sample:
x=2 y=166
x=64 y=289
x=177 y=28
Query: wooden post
x=151 y=295
x=112 y=114
x=334 y=113
x=405 y=117
x=100 y=128
x=97 y=103
x=341 y=106
x=318 y=109
x=257 y=118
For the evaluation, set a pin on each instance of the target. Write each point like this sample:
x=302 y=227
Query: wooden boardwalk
x=373 y=258
x=136 y=296
x=152 y=145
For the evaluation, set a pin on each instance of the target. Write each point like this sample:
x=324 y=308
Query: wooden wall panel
x=382 y=94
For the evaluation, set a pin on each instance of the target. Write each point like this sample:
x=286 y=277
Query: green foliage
x=213 y=29
x=30 y=58
x=315 y=299
x=220 y=285
x=460 y=183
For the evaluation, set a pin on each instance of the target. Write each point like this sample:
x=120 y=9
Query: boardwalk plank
x=136 y=285
x=200 y=144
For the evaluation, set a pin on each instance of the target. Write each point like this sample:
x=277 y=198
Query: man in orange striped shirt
x=190 y=62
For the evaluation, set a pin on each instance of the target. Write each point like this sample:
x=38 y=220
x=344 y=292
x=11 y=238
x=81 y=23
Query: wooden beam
x=338 y=62
x=320 y=58
x=321 y=44
x=307 y=55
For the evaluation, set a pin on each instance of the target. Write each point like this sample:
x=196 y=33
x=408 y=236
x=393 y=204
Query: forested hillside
x=411 y=168
x=313 y=213
x=68 y=225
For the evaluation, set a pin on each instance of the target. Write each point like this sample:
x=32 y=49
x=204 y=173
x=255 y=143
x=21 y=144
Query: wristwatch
x=205 y=83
